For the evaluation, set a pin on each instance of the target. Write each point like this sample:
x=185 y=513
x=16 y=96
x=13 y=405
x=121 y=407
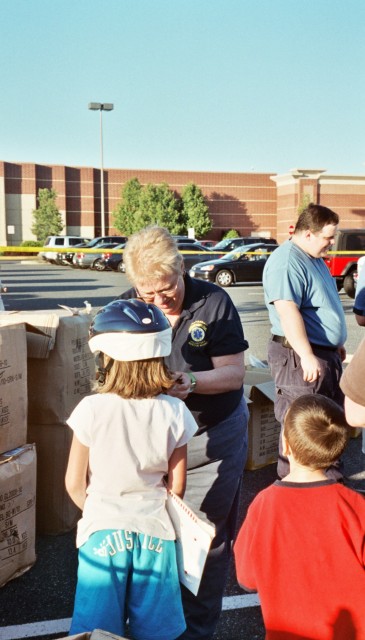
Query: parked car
x=180 y=239
x=192 y=253
x=66 y=258
x=228 y=244
x=240 y=265
x=197 y=253
x=113 y=261
x=341 y=263
x=208 y=244
x=92 y=260
x=54 y=242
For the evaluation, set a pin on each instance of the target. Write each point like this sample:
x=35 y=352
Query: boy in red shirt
x=302 y=544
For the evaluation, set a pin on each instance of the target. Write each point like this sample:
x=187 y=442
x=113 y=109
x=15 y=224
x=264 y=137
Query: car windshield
x=222 y=244
x=241 y=252
x=92 y=243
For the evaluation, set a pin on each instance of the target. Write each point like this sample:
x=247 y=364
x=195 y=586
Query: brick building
x=251 y=203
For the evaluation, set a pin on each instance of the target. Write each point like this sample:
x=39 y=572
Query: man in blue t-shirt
x=308 y=325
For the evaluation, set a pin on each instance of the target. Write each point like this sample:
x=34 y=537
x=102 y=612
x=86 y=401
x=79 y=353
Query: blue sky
x=216 y=85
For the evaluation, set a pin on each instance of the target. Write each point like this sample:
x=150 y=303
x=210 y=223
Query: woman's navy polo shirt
x=208 y=326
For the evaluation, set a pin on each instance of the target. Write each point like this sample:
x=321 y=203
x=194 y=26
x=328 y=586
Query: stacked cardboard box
x=17 y=459
x=60 y=370
x=263 y=428
x=13 y=387
x=17 y=512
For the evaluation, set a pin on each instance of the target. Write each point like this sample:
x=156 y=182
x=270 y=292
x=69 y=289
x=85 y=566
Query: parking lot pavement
x=38 y=605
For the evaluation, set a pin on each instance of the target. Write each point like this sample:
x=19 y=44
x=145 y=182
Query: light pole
x=101 y=106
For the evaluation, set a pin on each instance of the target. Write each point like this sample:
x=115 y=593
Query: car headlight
x=208 y=267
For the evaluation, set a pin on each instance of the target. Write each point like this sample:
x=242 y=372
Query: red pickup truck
x=342 y=259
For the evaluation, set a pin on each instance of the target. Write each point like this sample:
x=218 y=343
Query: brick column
x=291 y=188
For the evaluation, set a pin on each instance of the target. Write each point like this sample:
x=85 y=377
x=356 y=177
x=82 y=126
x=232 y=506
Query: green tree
x=144 y=206
x=158 y=205
x=47 y=218
x=232 y=233
x=195 y=210
x=124 y=215
x=305 y=201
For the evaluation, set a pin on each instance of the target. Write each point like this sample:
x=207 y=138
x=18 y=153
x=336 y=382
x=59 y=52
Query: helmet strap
x=101 y=370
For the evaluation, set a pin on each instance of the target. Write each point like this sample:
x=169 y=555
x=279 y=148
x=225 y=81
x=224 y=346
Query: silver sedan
x=93 y=259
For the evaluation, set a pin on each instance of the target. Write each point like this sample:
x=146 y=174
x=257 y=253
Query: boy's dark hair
x=315 y=217
x=316 y=430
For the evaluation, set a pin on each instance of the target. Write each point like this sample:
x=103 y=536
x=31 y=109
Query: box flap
x=261 y=380
x=41 y=330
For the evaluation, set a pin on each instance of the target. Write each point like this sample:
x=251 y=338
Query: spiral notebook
x=193 y=540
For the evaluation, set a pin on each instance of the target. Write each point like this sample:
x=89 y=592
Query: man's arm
x=294 y=330
x=360 y=320
x=355 y=413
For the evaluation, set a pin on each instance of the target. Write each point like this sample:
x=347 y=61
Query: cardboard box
x=263 y=428
x=17 y=512
x=55 y=512
x=13 y=387
x=57 y=383
x=41 y=330
x=98 y=634
x=61 y=367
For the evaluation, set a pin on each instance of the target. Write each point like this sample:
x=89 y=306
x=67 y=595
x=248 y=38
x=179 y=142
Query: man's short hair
x=315 y=217
x=316 y=430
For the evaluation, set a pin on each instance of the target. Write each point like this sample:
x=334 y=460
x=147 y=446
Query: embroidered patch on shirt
x=197 y=333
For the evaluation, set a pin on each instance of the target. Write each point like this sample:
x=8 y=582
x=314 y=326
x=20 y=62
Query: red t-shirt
x=302 y=547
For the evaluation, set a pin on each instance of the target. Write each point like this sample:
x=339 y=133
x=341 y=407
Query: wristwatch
x=192 y=381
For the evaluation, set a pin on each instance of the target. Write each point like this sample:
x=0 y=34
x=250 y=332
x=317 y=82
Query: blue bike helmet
x=130 y=330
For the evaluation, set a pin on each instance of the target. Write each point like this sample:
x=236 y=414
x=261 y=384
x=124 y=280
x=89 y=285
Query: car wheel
x=99 y=265
x=224 y=278
x=349 y=285
x=120 y=267
x=338 y=284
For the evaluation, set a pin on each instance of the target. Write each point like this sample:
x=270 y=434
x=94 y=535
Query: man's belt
x=285 y=343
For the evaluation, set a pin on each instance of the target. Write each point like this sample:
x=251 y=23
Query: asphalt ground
x=38 y=605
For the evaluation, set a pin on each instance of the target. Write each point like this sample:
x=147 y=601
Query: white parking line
x=48 y=627
x=241 y=602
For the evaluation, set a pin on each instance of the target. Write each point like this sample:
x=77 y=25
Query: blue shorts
x=126 y=575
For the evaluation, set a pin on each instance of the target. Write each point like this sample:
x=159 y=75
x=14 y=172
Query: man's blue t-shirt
x=291 y=274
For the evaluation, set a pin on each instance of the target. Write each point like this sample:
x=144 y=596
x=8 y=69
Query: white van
x=58 y=242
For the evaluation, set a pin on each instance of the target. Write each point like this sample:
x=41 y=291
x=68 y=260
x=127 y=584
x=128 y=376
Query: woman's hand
x=181 y=387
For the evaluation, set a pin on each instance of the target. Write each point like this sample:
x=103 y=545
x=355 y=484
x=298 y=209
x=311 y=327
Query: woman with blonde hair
x=207 y=360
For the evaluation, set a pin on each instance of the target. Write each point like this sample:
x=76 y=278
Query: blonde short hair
x=316 y=430
x=137 y=378
x=151 y=254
